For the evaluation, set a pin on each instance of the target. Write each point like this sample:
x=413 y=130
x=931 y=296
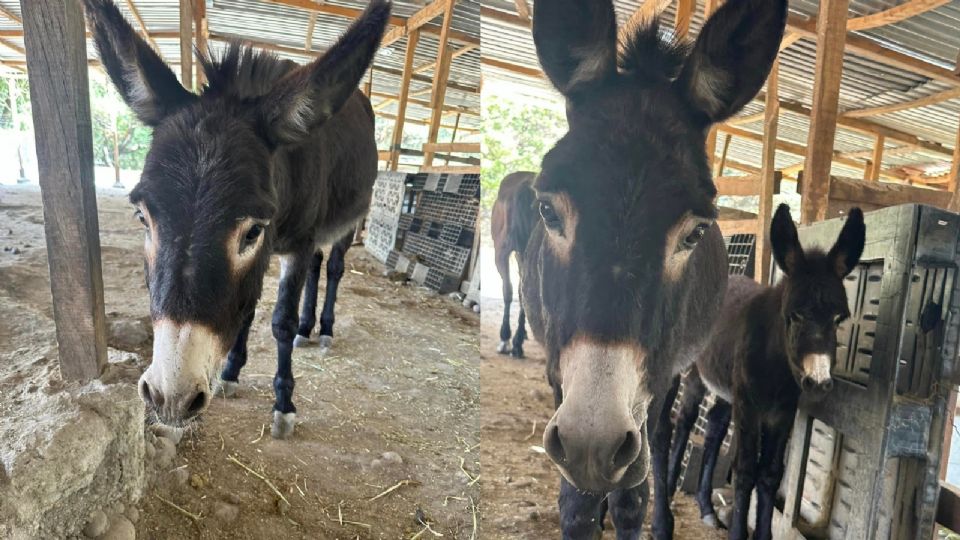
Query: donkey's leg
x=693 y=392
x=748 y=438
x=308 y=311
x=626 y=511
x=521 y=334
x=293 y=271
x=718 y=420
x=335 y=268
x=503 y=268
x=236 y=359
x=581 y=513
x=773 y=446
x=662 y=429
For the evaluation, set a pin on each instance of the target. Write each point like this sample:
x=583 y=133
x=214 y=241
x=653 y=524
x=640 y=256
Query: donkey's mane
x=242 y=71
x=644 y=52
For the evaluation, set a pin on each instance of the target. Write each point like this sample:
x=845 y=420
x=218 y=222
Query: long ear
x=309 y=95
x=787 y=250
x=144 y=81
x=732 y=57
x=576 y=42
x=845 y=254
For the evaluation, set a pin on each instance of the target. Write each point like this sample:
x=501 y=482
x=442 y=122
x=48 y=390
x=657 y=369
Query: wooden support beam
x=463 y=129
x=744 y=186
x=331 y=9
x=8 y=13
x=881 y=194
x=748 y=119
x=742 y=167
x=876 y=160
x=456 y=54
x=831 y=34
x=730 y=227
x=789 y=38
x=466 y=148
x=186 y=44
x=419 y=20
x=311 y=25
x=513 y=68
x=723 y=155
x=954 y=178
x=440 y=76
x=202 y=33
x=933 y=99
x=12 y=46
x=786 y=146
x=447 y=109
x=768 y=174
x=451 y=169
x=523 y=10
x=59 y=94
x=685 y=10
x=910 y=8
x=412 y=40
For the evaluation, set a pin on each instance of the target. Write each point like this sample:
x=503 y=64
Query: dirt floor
x=402 y=379
x=521 y=484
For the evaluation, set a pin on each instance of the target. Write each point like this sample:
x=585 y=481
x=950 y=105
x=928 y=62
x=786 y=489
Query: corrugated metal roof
x=286 y=27
x=932 y=37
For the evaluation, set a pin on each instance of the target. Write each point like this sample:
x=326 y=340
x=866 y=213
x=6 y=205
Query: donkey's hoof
x=517 y=352
x=283 y=424
x=711 y=521
x=503 y=347
x=326 y=343
x=228 y=389
x=303 y=341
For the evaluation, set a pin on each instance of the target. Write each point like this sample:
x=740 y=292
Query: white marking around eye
x=561 y=242
x=675 y=260
x=817 y=367
x=240 y=261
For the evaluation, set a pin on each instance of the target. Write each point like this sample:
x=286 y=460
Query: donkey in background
x=770 y=345
x=511 y=221
x=270 y=157
x=625 y=271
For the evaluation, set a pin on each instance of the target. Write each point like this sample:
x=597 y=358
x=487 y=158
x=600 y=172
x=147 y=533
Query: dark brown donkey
x=625 y=272
x=511 y=220
x=270 y=157
x=769 y=345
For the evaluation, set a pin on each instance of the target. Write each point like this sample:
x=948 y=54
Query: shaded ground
x=402 y=377
x=520 y=484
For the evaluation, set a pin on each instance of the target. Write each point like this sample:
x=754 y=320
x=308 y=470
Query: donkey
x=271 y=157
x=625 y=271
x=770 y=345
x=511 y=221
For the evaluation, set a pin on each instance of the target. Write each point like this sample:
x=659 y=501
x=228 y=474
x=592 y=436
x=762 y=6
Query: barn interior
x=862 y=109
x=393 y=406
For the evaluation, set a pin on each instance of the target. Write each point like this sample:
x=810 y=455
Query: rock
x=282 y=507
x=96 y=525
x=476 y=308
x=166 y=451
x=150 y=450
x=232 y=498
x=179 y=477
x=15 y=251
x=132 y=514
x=121 y=528
x=127 y=334
x=522 y=483
x=118 y=508
x=391 y=457
x=225 y=512
x=534 y=515
x=197 y=481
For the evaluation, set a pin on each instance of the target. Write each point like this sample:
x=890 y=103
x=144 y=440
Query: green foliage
x=515 y=137
x=23 y=104
x=111 y=116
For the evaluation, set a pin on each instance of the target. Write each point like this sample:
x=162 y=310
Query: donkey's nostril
x=827 y=385
x=198 y=403
x=553 y=445
x=628 y=451
x=151 y=396
x=807 y=384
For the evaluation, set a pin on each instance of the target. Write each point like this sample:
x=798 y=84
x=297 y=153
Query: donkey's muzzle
x=593 y=461
x=173 y=409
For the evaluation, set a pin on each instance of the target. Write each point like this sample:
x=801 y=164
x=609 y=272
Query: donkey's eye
x=695 y=236
x=550 y=218
x=252 y=235
x=139 y=215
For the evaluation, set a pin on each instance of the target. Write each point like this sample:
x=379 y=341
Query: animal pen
x=425 y=74
x=862 y=108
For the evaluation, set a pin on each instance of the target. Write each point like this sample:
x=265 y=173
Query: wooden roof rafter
x=910 y=8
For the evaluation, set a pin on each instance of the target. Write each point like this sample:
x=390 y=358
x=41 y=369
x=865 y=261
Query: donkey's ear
x=845 y=254
x=732 y=57
x=576 y=42
x=787 y=250
x=309 y=95
x=144 y=81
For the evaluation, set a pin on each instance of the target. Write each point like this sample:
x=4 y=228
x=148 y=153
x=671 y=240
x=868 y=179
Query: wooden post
x=767 y=175
x=186 y=43
x=723 y=155
x=412 y=40
x=954 y=185
x=831 y=37
x=685 y=9
x=54 y=34
x=876 y=162
x=440 y=75
x=368 y=89
x=202 y=33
